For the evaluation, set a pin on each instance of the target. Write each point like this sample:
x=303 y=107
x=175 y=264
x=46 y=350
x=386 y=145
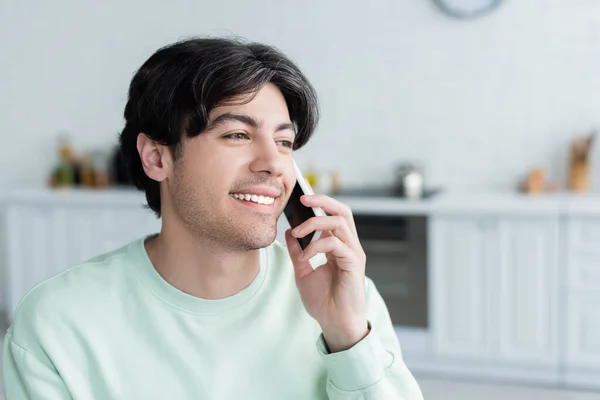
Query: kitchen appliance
x=409 y=181
x=396 y=249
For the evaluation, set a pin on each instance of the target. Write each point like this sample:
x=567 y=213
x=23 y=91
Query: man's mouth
x=253 y=198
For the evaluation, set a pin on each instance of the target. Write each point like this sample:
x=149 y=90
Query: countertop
x=481 y=201
x=41 y=195
x=447 y=201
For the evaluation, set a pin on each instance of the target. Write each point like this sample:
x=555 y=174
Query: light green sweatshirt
x=112 y=328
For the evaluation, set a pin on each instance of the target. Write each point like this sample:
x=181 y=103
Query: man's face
x=232 y=181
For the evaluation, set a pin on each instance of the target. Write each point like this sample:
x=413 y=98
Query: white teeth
x=254 y=198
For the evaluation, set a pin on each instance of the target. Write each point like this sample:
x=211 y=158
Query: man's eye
x=237 y=136
x=286 y=143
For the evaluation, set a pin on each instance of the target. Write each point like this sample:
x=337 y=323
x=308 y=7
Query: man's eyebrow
x=286 y=126
x=246 y=120
x=229 y=117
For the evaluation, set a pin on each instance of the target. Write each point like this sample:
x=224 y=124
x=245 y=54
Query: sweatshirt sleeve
x=373 y=368
x=26 y=377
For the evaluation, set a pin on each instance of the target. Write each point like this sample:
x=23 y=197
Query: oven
x=396 y=249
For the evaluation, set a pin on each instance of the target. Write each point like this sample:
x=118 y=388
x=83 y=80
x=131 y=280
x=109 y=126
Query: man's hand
x=334 y=293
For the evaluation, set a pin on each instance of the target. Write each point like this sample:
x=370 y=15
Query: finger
x=344 y=255
x=301 y=267
x=337 y=225
x=332 y=206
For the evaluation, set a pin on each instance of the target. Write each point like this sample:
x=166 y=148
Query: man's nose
x=267 y=157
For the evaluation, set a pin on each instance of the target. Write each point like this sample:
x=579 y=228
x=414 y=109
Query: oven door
x=396 y=249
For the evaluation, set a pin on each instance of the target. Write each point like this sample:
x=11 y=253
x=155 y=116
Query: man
x=211 y=307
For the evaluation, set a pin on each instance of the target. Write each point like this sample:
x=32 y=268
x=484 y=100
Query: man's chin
x=257 y=238
x=265 y=241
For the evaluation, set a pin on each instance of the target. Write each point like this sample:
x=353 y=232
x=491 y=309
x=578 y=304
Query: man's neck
x=200 y=269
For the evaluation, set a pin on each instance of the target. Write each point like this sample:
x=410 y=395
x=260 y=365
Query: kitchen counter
x=73 y=196
x=499 y=202
x=582 y=204
x=480 y=202
x=445 y=202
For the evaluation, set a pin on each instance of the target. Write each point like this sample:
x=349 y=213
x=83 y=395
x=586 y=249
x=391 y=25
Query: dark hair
x=176 y=88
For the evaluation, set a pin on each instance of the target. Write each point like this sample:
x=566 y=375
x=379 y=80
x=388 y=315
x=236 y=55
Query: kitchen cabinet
x=527 y=301
x=460 y=287
x=42 y=240
x=494 y=294
x=582 y=294
x=583 y=253
x=583 y=339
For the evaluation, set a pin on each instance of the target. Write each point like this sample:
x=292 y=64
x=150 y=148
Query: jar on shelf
x=87 y=173
x=101 y=167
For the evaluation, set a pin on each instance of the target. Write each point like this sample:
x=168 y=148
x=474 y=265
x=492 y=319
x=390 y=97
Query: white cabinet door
x=44 y=239
x=582 y=293
x=527 y=297
x=583 y=332
x=34 y=248
x=459 y=287
x=583 y=253
x=494 y=289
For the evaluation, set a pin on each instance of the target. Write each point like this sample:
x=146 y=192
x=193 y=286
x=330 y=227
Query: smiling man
x=211 y=307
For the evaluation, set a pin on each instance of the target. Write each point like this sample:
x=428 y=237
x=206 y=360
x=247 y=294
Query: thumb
x=301 y=268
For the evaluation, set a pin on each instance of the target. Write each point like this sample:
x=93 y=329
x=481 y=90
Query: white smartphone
x=296 y=212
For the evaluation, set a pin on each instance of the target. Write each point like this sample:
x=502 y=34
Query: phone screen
x=297 y=213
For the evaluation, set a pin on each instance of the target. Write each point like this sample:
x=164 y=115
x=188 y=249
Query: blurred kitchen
x=465 y=145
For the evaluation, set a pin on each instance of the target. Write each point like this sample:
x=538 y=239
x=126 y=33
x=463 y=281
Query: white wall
x=479 y=101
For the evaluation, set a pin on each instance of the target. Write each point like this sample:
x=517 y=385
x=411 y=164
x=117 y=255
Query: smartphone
x=296 y=212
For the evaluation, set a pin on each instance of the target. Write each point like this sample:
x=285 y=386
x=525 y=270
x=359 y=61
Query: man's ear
x=156 y=158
